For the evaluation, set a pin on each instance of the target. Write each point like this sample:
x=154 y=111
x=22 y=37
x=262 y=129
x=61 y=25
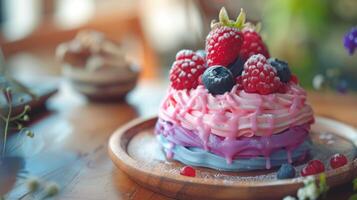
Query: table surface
x=70 y=143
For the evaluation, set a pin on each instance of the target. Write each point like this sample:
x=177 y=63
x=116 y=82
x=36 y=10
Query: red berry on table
x=259 y=76
x=338 y=160
x=188 y=171
x=224 y=42
x=253 y=44
x=186 y=70
x=313 y=167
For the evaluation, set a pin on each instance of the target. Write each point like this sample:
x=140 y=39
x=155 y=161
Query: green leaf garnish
x=223 y=17
x=239 y=23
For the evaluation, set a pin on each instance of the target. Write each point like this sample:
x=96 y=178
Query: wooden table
x=70 y=143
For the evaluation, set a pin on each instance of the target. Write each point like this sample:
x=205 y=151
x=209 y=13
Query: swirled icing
x=236 y=113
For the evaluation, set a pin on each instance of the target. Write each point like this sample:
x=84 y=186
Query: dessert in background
x=232 y=106
x=97 y=67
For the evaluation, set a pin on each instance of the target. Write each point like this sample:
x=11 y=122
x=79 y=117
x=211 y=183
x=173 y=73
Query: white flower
x=311 y=191
x=308 y=180
x=289 y=198
x=301 y=194
x=318 y=81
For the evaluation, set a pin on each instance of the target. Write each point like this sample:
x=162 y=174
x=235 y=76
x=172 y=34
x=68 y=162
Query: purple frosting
x=232 y=149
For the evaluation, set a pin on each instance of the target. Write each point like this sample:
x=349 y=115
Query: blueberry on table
x=286 y=171
x=236 y=67
x=218 y=80
x=282 y=69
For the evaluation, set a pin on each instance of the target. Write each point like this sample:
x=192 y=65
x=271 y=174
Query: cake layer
x=198 y=157
x=236 y=113
x=232 y=148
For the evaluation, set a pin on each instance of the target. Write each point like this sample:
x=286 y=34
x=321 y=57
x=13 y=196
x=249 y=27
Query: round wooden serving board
x=134 y=149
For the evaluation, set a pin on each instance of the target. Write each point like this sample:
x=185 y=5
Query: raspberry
x=294 y=79
x=313 y=167
x=338 y=160
x=223 y=45
x=188 y=171
x=253 y=44
x=186 y=70
x=239 y=83
x=259 y=76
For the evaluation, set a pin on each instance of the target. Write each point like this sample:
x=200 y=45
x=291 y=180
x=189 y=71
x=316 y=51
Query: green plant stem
x=15 y=117
x=7 y=126
x=2 y=117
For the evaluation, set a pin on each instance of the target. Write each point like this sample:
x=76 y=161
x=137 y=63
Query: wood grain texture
x=70 y=145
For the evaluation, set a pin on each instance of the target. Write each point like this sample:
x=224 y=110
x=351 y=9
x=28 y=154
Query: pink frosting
x=236 y=113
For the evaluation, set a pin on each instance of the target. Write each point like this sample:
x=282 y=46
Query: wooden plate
x=134 y=149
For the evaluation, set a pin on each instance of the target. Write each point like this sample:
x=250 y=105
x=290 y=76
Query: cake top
x=234 y=88
x=235 y=56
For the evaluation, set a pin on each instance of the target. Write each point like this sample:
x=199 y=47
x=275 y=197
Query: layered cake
x=232 y=106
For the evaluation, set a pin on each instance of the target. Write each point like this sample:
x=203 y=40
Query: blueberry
x=282 y=68
x=286 y=171
x=236 y=67
x=218 y=80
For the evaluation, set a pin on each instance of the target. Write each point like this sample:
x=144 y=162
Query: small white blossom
x=318 y=81
x=311 y=191
x=301 y=194
x=289 y=198
x=309 y=180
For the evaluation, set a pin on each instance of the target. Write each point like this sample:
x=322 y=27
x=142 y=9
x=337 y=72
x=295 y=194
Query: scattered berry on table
x=286 y=171
x=218 y=80
x=282 y=69
x=338 y=160
x=224 y=41
x=236 y=67
x=313 y=167
x=342 y=86
x=259 y=76
x=188 y=171
x=186 y=70
x=252 y=44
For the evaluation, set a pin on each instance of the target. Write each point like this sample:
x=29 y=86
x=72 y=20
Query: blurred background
x=308 y=34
